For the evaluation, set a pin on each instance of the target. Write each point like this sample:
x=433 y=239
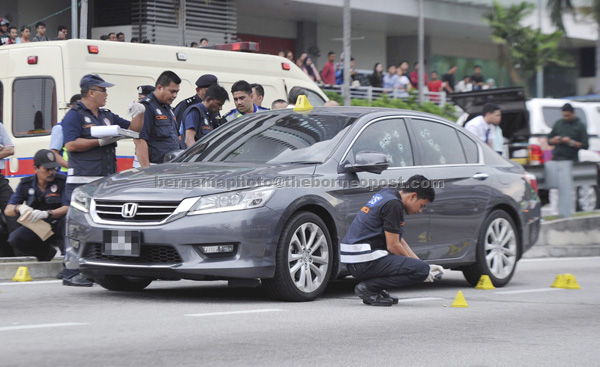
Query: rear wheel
x=123 y=283
x=303 y=261
x=497 y=250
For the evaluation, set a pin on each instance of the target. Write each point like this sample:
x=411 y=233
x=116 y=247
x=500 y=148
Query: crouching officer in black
x=373 y=249
x=202 y=118
x=42 y=196
x=202 y=85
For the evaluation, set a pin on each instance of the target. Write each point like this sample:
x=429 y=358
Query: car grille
x=155 y=211
x=149 y=255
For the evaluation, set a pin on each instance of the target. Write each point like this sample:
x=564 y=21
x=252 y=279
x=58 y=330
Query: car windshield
x=272 y=139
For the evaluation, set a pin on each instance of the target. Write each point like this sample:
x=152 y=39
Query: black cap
x=145 y=89
x=46 y=158
x=206 y=80
x=93 y=80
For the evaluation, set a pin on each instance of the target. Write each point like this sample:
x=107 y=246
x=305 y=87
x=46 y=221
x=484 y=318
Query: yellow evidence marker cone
x=571 y=282
x=485 y=283
x=559 y=282
x=302 y=104
x=460 y=300
x=22 y=275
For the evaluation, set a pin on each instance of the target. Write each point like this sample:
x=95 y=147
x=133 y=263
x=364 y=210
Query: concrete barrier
x=579 y=236
x=37 y=270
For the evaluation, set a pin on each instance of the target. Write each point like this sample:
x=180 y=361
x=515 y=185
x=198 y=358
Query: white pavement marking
x=543 y=259
x=39 y=326
x=235 y=312
x=35 y=282
x=530 y=291
x=418 y=299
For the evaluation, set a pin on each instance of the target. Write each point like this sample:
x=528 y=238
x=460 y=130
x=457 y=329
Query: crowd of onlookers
x=11 y=35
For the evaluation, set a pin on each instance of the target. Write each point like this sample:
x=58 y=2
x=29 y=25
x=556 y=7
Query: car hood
x=176 y=181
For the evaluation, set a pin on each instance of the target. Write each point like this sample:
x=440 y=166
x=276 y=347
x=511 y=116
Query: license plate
x=122 y=243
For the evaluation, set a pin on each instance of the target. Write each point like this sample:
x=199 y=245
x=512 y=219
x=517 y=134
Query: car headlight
x=80 y=200
x=230 y=201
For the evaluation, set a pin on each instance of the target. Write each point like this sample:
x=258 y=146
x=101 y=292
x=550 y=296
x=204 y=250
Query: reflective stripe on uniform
x=353 y=259
x=82 y=179
x=357 y=247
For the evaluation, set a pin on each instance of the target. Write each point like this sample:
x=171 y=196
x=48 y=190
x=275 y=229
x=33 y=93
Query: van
x=38 y=79
x=526 y=124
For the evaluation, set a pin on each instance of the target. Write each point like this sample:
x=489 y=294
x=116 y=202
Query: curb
x=568 y=237
x=37 y=270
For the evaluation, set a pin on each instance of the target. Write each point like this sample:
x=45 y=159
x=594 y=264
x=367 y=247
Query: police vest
x=49 y=199
x=181 y=109
x=164 y=136
x=233 y=114
x=99 y=161
x=367 y=224
x=205 y=125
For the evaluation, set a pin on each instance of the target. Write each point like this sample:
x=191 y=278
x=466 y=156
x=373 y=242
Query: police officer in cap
x=159 y=135
x=201 y=119
x=91 y=158
x=41 y=197
x=143 y=91
x=202 y=85
x=375 y=252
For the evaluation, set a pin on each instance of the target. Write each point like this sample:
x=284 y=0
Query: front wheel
x=497 y=251
x=303 y=261
x=123 y=283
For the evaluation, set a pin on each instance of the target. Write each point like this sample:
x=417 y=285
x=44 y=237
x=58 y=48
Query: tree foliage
x=523 y=50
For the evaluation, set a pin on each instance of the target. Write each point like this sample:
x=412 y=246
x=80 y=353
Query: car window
x=272 y=138
x=315 y=99
x=389 y=137
x=438 y=143
x=470 y=148
x=553 y=114
x=34 y=106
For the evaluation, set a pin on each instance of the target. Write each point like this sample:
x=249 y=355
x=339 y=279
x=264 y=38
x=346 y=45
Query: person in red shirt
x=328 y=72
x=435 y=85
x=414 y=76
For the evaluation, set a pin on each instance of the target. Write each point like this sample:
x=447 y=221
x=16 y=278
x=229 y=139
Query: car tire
x=123 y=283
x=497 y=250
x=304 y=260
x=587 y=198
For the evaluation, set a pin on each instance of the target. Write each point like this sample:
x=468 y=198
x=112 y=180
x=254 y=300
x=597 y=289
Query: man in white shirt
x=485 y=125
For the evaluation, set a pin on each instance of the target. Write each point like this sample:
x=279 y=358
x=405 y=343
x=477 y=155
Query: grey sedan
x=270 y=195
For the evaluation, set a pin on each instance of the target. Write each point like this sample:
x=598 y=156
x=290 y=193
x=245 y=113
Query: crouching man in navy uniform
x=201 y=119
x=43 y=196
x=374 y=250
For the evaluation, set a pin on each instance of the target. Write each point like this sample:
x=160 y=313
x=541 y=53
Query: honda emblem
x=128 y=210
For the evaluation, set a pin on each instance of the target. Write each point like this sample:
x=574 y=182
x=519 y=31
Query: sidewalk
x=37 y=270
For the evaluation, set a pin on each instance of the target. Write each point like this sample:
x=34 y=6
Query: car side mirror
x=373 y=162
x=172 y=155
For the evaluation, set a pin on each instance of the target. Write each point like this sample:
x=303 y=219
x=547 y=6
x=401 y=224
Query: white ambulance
x=38 y=79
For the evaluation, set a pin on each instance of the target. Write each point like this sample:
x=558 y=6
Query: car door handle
x=480 y=176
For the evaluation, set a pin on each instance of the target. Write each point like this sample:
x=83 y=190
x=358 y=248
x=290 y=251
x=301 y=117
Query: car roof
x=359 y=112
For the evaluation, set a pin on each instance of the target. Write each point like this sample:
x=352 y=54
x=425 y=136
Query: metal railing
x=371 y=93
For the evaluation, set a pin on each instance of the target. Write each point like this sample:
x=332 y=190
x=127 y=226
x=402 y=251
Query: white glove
x=24 y=209
x=429 y=278
x=109 y=140
x=135 y=109
x=435 y=273
x=37 y=215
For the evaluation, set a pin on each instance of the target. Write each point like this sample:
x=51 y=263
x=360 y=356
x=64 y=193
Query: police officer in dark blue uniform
x=159 y=135
x=374 y=250
x=202 y=85
x=91 y=158
x=41 y=197
x=201 y=119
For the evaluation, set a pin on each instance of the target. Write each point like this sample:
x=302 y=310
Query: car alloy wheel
x=497 y=250
x=304 y=259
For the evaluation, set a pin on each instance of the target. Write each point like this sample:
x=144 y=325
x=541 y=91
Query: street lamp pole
x=540 y=71
x=74 y=19
x=421 y=70
x=347 y=53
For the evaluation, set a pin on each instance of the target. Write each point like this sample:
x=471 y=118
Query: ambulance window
x=34 y=106
x=314 y=99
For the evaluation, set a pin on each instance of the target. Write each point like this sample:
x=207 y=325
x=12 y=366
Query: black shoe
x=386 y=294
x=371 y=298
x=60 y=275
x=77 y=281
x=50 y=255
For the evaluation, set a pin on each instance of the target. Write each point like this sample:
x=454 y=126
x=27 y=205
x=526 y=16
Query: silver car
x=270 y=195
